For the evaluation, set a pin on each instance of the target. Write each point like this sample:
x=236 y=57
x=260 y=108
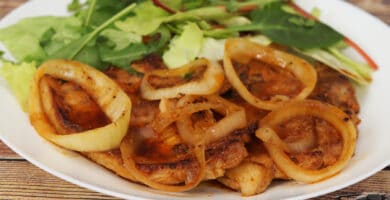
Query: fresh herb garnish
x=289 y=29
x=71 y=50
x=102 y=33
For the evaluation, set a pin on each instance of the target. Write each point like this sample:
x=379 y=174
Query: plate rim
x=90 y=186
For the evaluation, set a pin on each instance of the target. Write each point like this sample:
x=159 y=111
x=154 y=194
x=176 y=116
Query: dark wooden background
x=21 y=180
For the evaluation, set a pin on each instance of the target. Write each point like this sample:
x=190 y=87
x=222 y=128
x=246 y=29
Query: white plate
x=372 y=151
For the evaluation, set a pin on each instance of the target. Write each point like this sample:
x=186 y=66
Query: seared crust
x=334 y=88
x=223 y=154
x=111 y=160
x=254 y=173
x=226 y=159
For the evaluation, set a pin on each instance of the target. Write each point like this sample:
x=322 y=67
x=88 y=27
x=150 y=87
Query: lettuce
x=213 y=49
x=19 y=77
x=184 y=48
x=29 y=32
x=147 y=19
x=120 y=39
x=359 y=72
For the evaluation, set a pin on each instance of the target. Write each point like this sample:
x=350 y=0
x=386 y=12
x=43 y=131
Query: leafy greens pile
x=102 y=33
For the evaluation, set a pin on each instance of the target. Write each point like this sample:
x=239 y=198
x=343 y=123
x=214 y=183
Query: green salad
x=103 y=34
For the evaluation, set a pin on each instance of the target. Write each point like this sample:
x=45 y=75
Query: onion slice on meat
x=179 y=112
x=113 y=101
x=209 y=83
x=277 y=148
x=234 y=118
x=243 y=51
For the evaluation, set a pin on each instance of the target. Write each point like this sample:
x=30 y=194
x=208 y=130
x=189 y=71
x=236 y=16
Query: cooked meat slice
x=149 y=63
x=250 y=178
x=253 y=114
x=142 y=112
x=313 y=142
x=111 y=160
x=220 y=155
x=254 y=174
x=268 y=82
x=128 y=82
x=334 y=88
x=74 y=108
x=224 y=154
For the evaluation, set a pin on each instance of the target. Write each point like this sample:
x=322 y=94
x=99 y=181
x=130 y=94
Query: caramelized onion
x=209 y=83
x=243 y=51
x=277 y=148
x=197 y=136
x=234 y=118
x=113 y=101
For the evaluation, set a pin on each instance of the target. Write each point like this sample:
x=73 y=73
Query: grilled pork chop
x=255 y=173
x=220 y=155
x=335 y=89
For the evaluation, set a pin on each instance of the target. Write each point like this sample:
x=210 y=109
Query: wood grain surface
x=20 y=179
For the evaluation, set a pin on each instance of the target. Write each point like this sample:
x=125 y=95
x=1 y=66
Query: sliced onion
x=164 y=119
x=277 y=148
x=243 y=51
x=108 y=95
x=234 y=119
x=210 y=83
x=303 y=144
x=197 y=137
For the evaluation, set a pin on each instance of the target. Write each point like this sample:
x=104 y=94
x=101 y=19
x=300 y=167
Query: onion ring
x=277 y=148
x=234 y=119
x=197 y=137
x=243 y=51
x=108 y=95
x=210 y=83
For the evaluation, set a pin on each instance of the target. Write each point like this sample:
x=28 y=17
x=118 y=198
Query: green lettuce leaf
x=29 y=33
x=184 y=48
x=19 y=77
x=147 y=19
x=120 y=39
x=359 y=72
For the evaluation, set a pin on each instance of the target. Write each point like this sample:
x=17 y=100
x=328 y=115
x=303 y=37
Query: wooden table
x=21 y=180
